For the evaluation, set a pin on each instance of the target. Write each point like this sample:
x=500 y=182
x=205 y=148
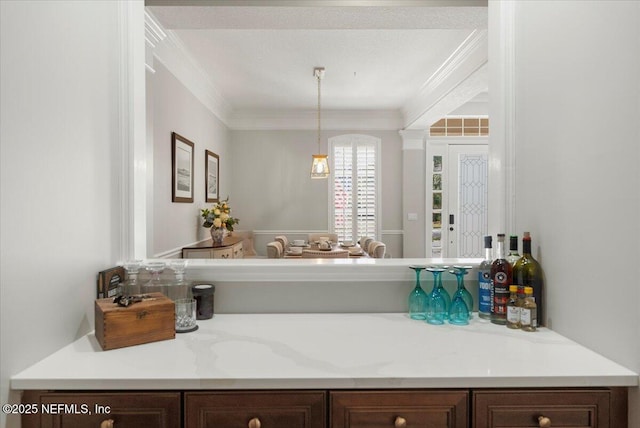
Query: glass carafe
x=154 y=284
x=131 y=285
x=418 y=297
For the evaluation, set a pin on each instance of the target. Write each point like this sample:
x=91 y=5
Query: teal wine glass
x=460 y=272
x=436 y=311
x=443 y=291
x=418 y=297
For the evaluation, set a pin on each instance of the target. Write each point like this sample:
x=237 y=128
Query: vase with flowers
x=219 y=220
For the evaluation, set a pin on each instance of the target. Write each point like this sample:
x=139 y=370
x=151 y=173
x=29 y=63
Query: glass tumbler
x=185 y=315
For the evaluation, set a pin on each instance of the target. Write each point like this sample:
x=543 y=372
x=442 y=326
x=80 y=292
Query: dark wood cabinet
x=409 y=408
x=255 y=409
x=89 y=410
x=399 y=409
x=557 y=408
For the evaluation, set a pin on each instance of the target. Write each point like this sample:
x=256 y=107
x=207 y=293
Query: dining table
x=354 y=250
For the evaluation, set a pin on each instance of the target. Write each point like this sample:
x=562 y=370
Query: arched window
x=355 y=186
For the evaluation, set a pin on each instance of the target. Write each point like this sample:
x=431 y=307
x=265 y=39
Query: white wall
x=60 y=220
x=271 y=189
x=577 y=157
x=175 y=109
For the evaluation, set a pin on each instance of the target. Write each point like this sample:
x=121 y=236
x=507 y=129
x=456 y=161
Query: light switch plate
x=412 y=216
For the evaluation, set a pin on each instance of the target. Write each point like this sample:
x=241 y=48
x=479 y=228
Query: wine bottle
x=513 y=256
x=484 y=281
x=501 y=275
x=527 y=272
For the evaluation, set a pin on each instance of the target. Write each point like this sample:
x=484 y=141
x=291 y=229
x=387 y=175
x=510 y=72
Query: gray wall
x=271 y=190
x=577 y=157
x=175 y=109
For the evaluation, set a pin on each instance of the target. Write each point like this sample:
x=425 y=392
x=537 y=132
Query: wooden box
x=147 y=321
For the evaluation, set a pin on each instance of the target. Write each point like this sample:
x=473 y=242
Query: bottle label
x=513 y=314
x=500 y=294
x=525 y=316
x=484 y=292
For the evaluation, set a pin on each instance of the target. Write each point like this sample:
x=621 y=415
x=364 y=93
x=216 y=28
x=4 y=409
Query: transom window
x=354 y=186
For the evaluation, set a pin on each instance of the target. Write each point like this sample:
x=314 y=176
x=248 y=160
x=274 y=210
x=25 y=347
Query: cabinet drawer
x=291 y=409
x=399 y=409
x=223 y=253
x=563 y=408
x=85 y=409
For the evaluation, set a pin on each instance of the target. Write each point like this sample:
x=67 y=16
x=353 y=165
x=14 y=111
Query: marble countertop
x=323 y=351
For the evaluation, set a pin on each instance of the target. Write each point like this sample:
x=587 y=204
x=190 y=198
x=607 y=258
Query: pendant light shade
x=320 y=163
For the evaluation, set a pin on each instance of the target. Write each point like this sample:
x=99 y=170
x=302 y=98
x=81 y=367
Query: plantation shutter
x=355 y=187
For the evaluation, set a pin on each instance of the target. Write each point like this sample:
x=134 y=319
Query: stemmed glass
x=460 y=272
x=178 y=267
x=436 y=311
x=459 y=313
x=418 y=297
x=155 y=268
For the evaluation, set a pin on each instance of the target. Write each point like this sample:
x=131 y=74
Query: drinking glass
x=185 y=315
x=460 y=272
x=178 y=267
x=436 y=311
x=418 y=297
x=154 y=284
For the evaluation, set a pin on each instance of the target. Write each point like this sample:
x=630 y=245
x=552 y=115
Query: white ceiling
x=376 y=58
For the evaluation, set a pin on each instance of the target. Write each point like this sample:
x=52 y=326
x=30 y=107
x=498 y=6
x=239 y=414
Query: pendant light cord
x=319 y=77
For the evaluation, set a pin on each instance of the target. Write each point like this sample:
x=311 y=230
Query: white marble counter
x=247 y=351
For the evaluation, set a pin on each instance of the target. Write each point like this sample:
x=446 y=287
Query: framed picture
x=181 y=169
x=212 y=174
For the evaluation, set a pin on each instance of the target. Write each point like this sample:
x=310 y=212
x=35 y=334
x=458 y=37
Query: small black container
x=203 y=293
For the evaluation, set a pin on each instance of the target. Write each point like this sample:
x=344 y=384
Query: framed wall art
x=212 y=174
x=182 y=151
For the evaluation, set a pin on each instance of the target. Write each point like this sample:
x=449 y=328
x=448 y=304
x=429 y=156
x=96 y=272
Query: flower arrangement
x=219 y=216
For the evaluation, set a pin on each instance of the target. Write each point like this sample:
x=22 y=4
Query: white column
x=413 y=193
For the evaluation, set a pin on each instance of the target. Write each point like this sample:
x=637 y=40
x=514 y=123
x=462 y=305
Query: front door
x=465 y=201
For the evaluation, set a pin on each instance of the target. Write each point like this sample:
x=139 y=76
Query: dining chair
x=318 y=254
x=377 y=249
x=283 y=240
x=313 y=237
x=274 y=250
x=364 y=244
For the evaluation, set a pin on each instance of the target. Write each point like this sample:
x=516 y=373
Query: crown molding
x=170 y=51
x=467 y=60
x=339 y=120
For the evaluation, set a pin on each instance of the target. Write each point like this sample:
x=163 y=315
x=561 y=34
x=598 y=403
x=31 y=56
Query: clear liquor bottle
x=484 y=281
x=501 y=275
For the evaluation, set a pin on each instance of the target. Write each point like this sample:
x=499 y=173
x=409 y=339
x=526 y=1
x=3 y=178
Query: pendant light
x=320 y=163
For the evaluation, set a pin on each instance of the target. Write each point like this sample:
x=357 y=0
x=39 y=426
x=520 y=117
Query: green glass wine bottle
x=527 y=272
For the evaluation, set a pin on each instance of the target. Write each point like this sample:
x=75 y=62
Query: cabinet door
x=89 y=410
x=553 y=408
x=260 y=409
x=399 y=409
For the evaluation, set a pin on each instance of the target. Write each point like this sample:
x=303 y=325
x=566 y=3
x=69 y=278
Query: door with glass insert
x=465 y=200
